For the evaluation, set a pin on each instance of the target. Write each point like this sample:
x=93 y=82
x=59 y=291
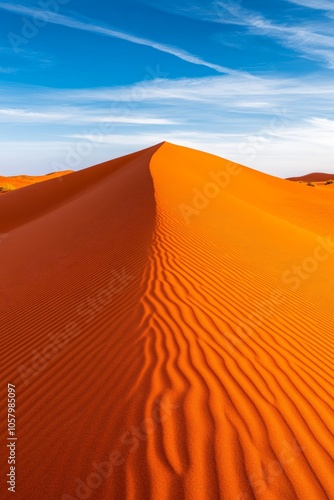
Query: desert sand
x=19 y=181
x=313 y=177
x=167 y=319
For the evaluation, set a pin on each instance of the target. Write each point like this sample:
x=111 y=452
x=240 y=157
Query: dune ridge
x=19 y=181
x=313 y=177
x=187 y=357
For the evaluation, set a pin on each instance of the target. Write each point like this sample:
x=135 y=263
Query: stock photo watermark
x=265 y=477
x=294 y=278
x=250 y=148
x=255 y=144
x=3 y=237
x=31 y=25
x=130 y=442
x=87 y=310
x=211 y=190
x=75 y=154
x=302 y=272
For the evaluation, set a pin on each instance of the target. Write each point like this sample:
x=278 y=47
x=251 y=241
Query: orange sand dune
x=20 y=181
x=167 y=320
x=315 y=177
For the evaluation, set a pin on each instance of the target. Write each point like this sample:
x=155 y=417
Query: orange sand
x=165 y=347
x=20 y=181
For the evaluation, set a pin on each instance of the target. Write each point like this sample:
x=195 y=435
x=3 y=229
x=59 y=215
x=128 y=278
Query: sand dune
x=314 y=177
x=19 y=181
x=167 y=319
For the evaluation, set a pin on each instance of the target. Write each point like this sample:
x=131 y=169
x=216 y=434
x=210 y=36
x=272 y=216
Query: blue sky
x=83 y=82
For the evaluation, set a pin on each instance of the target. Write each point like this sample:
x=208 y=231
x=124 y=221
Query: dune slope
x=313 y=177
x=167 y=320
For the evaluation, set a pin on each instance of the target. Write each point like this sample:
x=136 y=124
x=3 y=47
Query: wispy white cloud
x=312 y=39
x=312 y=131
x=261 y=94
x=99 y=29
x=280 y=125
x=213 y=95
x=12 y=114
x=314 y=4
x=127 y=120
x=75 y=116
x=7 y=71
x=143 y=139
x=253 y=105
x=323 y=123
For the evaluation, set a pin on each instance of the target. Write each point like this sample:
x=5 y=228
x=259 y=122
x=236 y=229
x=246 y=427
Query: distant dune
x=167 y=318
x=315 y=177
x=19 y=181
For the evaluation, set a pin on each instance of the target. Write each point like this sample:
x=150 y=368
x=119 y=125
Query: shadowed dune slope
x=314 y=177
x=167 y=319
